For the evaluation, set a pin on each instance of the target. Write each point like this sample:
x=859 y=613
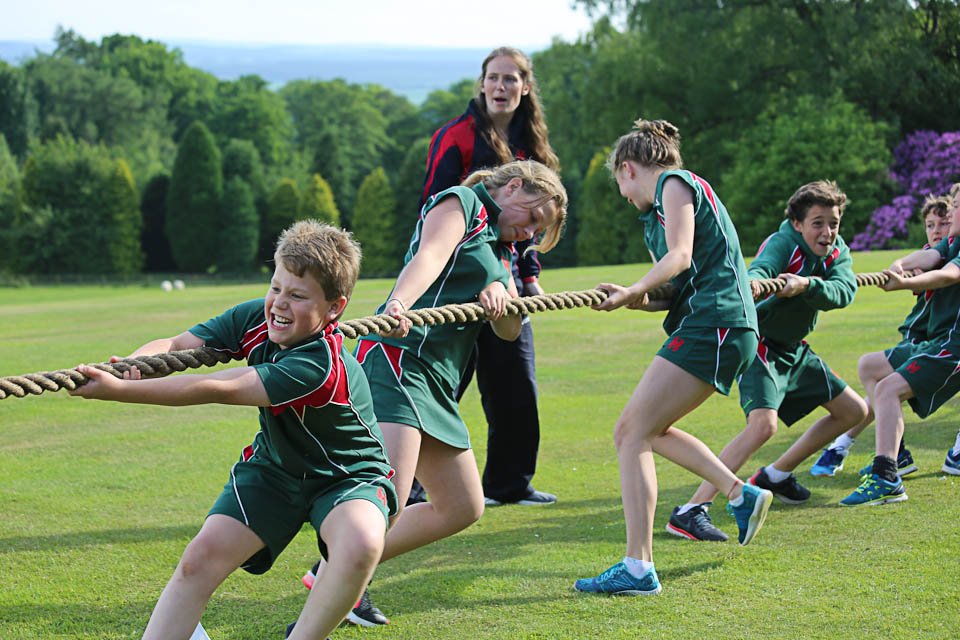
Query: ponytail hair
x=538 y=179
x=651 y=143
x=530 y=111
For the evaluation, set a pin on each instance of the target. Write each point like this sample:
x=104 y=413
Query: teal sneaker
x=618 y=581
x=829 y=463
x=752 y=512
x=875 y=490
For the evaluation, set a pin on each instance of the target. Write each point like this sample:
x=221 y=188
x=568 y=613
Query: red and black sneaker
x=695 y=524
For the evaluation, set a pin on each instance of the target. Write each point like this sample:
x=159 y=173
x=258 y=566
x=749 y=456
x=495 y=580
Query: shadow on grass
x=80 y=539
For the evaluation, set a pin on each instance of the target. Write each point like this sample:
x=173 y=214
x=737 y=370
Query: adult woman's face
x=503 y=87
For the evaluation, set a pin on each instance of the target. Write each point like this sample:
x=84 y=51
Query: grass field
x=98 y=499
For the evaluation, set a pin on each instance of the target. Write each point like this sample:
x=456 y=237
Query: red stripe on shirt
x=335 y=388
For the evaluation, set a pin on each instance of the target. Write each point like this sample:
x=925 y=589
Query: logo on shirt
x=675 y=344
x=913 y=367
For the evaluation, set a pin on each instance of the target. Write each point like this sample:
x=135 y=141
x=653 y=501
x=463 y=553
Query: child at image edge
x=923 y=374
x=712 y=328
x=936 y=216
x=319 y=455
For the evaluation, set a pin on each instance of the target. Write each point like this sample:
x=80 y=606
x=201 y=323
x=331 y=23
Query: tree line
x=117 y=157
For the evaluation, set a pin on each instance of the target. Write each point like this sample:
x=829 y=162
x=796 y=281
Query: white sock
x=637 y=567
x=690 y=505
x=843 y=442
x=956 y=445
x=199 y=633
x=736 y=502
x=775 y=474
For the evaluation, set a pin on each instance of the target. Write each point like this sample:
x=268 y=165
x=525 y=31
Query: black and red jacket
x=457 y=149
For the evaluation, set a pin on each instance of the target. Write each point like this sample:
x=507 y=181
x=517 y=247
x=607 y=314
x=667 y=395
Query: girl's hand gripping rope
x=618 y=296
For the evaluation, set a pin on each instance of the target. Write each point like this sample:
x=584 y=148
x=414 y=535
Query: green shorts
x=716 y=356
x=932 y=371
x=792 y=380
x=275 y=503
x=406 y=391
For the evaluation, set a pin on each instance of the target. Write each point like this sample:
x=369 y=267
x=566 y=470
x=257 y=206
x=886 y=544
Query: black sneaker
x=789 y=491
x=365 y=613
x=534 y=498
x=290 y=629
x=695 y=524
x=905 y=463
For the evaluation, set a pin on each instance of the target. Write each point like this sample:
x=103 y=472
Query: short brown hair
x=329 y=254
x=822 y=192
x=936 y=205
x=651 y=143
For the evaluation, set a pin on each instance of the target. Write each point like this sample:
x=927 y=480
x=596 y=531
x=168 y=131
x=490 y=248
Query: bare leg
x=664 y=394
x=888 y=396
x=761 y=426
x=222 y=545
x=872 y=368
x=354 y=532
x=846 y=410
x=451 y=479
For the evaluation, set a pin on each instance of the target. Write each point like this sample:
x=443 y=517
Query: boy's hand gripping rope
x=164 y=364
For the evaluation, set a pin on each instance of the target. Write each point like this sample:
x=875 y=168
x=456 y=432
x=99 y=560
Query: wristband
x=399 y=301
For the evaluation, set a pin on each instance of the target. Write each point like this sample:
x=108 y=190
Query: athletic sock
x=690 y=505
x=885 y=467
x=775 y=474
x=843 y=442
x=637 y=567
x=956 y=445
x=736 y=502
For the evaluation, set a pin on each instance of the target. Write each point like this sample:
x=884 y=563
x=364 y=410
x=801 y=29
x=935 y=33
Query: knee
x=463 y=513
x=362 y=550
x=763 y=428
x=870 y=367
x=853 y=412
x=198 y=557
x=625 y=433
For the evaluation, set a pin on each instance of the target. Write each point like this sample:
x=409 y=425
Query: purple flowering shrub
x=925 y=163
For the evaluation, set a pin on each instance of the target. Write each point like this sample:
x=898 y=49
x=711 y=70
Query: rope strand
x=163 y=364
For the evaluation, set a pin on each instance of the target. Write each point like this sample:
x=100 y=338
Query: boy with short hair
x=786 y=379
x=923 y=374
x=319 y=455
x=936 y=217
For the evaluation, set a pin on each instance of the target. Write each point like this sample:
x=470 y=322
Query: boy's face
x=955 y=215
x=819 y=228
x=297 y=308
x=937 y=228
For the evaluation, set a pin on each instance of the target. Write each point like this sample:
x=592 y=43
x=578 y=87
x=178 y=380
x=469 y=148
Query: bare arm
x=924 y=260
x=182 y=342
x=946 y=276
x=237 y=386
x=679 y=224
x=443 y=229
x=506 y=327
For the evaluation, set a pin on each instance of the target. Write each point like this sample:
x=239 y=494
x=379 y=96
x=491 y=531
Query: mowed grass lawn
x=98 y=500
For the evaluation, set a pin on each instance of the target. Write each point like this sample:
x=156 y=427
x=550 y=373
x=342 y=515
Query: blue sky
x=431 y=23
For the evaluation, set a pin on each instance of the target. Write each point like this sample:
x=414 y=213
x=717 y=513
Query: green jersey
x=478 y=260
x=914 y=327
x=833 y=285
x=945 y=302
x=713 y=293
x=320 y=422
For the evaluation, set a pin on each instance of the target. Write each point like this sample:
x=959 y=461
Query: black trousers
x=507 y=381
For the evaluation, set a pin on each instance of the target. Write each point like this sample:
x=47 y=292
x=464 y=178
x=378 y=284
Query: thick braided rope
x=166 y=363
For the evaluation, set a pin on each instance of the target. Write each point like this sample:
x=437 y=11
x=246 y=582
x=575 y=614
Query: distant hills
x=412 y=72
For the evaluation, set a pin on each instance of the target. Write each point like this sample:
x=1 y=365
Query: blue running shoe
x=618 y=581
x=829 y=462
x=752 y=512
x=952 y=464
x=875 y=490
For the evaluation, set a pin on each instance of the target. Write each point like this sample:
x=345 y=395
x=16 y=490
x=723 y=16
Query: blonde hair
x=954 y=190
x=822 y=192
x=529 y=109
x=538 y=179
x=329 y=254
x=936 y=205
x=651 y=143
